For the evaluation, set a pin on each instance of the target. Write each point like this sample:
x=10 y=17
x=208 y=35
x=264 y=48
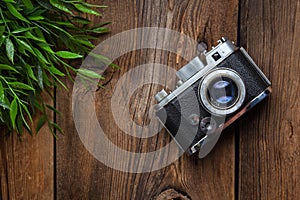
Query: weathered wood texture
x=26 y=165
x=269 y=136
x=262 y=162
x=80 y=176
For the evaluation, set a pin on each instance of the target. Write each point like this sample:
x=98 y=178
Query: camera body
x=214 y=89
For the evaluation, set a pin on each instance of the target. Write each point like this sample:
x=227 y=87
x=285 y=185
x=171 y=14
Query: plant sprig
x=37 y=38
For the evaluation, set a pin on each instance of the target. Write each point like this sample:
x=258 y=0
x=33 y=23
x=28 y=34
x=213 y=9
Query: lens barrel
x=222 y=91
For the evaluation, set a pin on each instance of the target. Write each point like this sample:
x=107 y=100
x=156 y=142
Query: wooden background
x=256 y=158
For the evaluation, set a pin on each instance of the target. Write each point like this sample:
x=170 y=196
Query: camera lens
x=222 y=92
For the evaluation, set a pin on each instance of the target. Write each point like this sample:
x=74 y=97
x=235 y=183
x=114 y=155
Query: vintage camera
x=214 y=89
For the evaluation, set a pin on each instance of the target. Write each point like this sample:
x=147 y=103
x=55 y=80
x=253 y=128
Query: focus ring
x=219 y=74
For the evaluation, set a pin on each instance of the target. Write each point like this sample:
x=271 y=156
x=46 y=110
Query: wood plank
x=81 y=176
x=26 y=165
x=270 y=140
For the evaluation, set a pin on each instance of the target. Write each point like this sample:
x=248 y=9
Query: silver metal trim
x=255 y=65
x=238 y=81
x=190 y=69
x=161 y=95
x=225 y=49
x=196 y=147
x=248 y=107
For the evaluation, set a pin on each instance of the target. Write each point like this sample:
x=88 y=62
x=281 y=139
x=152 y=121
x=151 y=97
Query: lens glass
x=222 y=92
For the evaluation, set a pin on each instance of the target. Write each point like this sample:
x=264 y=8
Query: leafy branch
x=37 y=38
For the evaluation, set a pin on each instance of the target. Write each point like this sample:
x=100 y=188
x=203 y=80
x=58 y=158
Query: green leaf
x=2 y=38
x=100 y=58
x=53 y=109
x=60 y=82
x=57 y=127
x=40 y=123
x=100 y=30
x=36 y=39
x=69 y=24
x=85 y=42
x=60 y=6
x=22 y=50
x=19 y=127
x=1 y=92
x=36 y=18
x=93 y=5
x=20 y=85
x=27 y=111
x=30 y=72
x=68 y=55
x=16 y=13
x=81 y=20
x=22 y=30
x=44 y=4
x=89 y=73
x=40 y=77
x=13 y=112
x=4 y=105
x=114 y=66
x=5 y=21
x=7 y=67
x=10 y=50
x=28 y=3
x=21 y=120
x=9 y=1
x=84 y=9
x=46 y=47
x=30 y=36
x=59 y=29
x=40 y=33
x=25 y=46
x=2 y=29
x=54 y=70
x=40 y=56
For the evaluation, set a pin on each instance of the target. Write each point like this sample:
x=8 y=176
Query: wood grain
x=80 y=176
x=269 y=135
x=267 y=149
x=26 y=164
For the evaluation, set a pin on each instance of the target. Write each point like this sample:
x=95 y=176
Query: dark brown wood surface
x=269 y=135
x=256 y=158
x=26 y=165
x=81 y=176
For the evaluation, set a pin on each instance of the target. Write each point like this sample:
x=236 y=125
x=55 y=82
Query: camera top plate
x=206 y=61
